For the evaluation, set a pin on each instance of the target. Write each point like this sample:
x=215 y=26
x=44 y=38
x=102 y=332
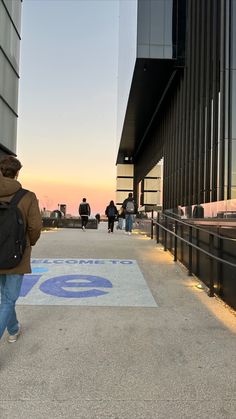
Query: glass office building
x=10 y=20
x=181 y=101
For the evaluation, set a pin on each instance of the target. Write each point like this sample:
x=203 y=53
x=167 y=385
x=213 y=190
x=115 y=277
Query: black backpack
x=12 y=232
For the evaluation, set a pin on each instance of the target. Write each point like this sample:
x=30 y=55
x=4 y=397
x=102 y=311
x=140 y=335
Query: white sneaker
x=129 y=233
x=13 y=338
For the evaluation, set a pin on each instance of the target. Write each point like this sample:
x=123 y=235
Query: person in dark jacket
x=130 y=209
x=11 y=279
x=84 y=212
x=111 y=213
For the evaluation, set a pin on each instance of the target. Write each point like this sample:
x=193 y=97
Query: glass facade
x=155 y=37
x=10 y=18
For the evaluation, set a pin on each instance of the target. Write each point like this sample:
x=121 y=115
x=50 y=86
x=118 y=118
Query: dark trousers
x=84 y=220
x=111 y=221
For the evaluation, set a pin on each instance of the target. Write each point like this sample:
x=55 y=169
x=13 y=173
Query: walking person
x=130 y=208
x=121 y=219
x=111 y=213
x=84 y=212
x=15 y=200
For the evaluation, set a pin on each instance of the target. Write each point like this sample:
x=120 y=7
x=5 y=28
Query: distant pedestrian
x=111 y=213
x=28 y=216
x=130 y=209
x=84 y=212
x=98 y=217
x=121 y=219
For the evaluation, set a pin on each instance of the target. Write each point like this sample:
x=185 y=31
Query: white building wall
x=124 y=181
x=10 y=20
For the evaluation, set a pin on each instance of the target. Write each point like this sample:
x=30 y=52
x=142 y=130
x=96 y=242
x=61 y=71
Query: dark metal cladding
x=183 y=107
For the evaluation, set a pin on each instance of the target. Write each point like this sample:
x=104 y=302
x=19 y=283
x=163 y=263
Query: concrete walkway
x=170 y=356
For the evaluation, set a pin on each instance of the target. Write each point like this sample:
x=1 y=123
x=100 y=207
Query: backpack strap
x=18 y=195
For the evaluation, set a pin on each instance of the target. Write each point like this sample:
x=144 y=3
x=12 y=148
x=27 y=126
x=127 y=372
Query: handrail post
x=152 y=225
x=190 y=252
x=219 y=268
x=175 y=251
x=197 y=253
x=157 y=227
x=165 y=235
x=211 y=290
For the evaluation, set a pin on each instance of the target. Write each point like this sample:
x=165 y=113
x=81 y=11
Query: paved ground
x=169 y=356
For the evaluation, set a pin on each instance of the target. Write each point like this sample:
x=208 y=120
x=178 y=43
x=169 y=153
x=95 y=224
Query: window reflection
x=233 y=99
x=219 y=209
x=14 y=9
x=8 y=126
x=10 y=40
x=8 y=83
x=233 y=34
x=233 y=164
x=226 y=110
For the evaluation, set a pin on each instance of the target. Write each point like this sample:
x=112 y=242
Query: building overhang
x=150 y=81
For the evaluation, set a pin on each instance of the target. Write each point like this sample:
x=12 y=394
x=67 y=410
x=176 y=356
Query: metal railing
x=176 y=222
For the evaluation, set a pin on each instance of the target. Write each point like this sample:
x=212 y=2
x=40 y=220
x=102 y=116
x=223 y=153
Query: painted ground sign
x=93 y=282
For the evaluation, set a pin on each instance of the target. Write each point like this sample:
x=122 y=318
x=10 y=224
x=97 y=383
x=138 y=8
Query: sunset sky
x=67 y=137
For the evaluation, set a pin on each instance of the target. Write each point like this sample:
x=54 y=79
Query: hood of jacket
x=8 y=186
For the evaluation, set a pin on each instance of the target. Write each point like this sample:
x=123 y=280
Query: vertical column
x=222 y=109
x=228 y=100
x=202 y=90
x=232 y=94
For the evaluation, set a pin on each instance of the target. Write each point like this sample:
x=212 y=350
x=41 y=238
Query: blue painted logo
x=61 y=286
x=56 y=286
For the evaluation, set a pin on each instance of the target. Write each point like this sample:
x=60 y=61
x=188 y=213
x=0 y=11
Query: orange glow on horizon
x=50 y=193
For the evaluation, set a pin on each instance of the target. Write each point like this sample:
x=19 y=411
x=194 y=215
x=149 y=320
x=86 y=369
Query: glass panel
x=150 y=198
x=226 y=162
x=168 y=22
x=233 y=35
x=233 y=193
x=218 y=180
x=143 y=51
x=127 y=57
x=156 y=51
x=219 y=209
x=124 y=183
x=125 y=169
x=226 y=107
x=14 y=8
x=225 y=193
x=144 y=22
x=157 y=22
x=8 y=123
x=233 y=164
x=150 y=184
x=8 y=83
x=227 y=35
x=233 y=110
x=168 y=52
x=9 y=40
